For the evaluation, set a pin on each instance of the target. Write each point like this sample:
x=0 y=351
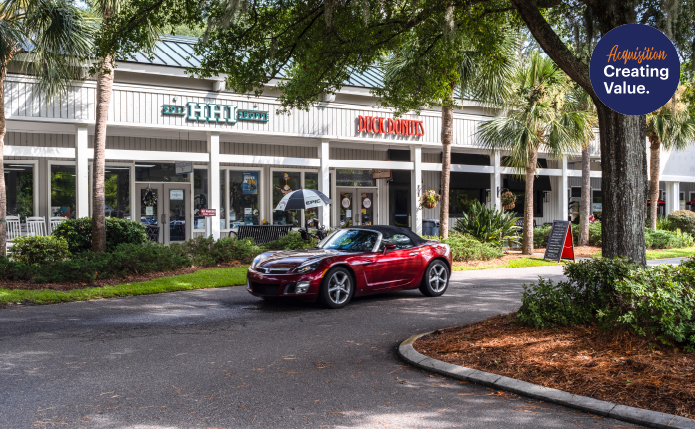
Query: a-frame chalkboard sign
x=560 y=244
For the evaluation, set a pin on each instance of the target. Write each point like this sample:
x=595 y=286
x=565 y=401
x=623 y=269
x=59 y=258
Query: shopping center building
x=178 y=144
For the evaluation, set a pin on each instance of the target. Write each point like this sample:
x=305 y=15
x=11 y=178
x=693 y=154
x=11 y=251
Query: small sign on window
x=176 y=194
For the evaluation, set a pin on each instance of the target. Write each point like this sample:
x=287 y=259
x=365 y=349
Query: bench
x=261 y=234
x=520 y=223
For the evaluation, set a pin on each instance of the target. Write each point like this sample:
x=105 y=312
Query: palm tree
x=535 y=118
x=105 y=74
x=49 y=39
x=579 y=99
x=670 y=127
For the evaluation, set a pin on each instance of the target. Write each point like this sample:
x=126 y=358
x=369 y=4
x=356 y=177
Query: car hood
x=295 y=258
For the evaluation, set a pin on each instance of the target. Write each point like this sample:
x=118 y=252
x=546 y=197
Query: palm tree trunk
x=104 y=89
x=585 y=205
x=654 y=167
x=3 y=196
x=527 y=244
x=447 y=140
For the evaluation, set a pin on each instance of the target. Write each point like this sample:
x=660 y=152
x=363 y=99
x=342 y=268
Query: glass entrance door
x=357 y=206
x=166 y=210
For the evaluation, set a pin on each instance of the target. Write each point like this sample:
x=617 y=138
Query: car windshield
x=355 y=240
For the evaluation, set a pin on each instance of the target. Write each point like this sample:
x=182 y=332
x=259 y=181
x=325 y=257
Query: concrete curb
x=603 y=408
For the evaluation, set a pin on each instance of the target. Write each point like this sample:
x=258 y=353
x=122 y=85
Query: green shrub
x=656 y=301
x=78 y=233
x=293 y=240
x=205 y=251
x=683 y=220
x=540 y=235
x=37 y=249
x=489 y=225
x=661 y=239
x=466 y=248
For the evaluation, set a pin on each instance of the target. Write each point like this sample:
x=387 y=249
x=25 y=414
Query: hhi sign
x=379 y=125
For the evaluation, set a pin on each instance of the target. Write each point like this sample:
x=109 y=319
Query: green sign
x=220 y=113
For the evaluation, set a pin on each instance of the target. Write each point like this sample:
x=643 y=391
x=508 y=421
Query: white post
x=672 y=197
x=324 y=181
x=416 y=186
x=563 y=201
x=214 y=182
x=82 y=170
x=496 y=181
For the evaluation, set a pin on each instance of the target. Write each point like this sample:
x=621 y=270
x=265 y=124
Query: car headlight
x=307 y=267
x=256 y=261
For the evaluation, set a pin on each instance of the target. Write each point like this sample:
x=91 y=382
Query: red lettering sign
x=381 y=125
x=392 y=126
x=362 y=126
x=208 y=212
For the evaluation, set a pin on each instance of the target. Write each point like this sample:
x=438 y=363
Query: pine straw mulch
x=581 y=251
x=137 y=278
x=619 y=366
x=497 y=261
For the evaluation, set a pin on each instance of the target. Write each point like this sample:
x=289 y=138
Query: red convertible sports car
x=351 y=262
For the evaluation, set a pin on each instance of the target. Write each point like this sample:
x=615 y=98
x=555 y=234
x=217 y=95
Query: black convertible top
x=388 y=231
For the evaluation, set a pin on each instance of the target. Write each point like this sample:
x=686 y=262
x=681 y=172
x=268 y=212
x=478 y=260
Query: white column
x=214 y=182
x=324 y=182
x=563 y=201
x=496 y=181
x=672 y=197
x=82 y=170
x=416 y=189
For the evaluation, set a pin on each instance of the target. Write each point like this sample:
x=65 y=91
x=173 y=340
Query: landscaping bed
x=617 y=366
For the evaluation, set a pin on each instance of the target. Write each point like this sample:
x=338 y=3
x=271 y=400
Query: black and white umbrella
x=303 y=199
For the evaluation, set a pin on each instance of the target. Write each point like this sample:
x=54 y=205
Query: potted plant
x=429 y=199
x=508 y=200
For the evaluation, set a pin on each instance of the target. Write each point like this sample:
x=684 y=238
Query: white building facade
x=245 y=156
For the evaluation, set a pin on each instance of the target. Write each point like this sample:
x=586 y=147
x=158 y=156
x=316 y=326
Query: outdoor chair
x=14 y=228
x=36 y=225
x=55 y=221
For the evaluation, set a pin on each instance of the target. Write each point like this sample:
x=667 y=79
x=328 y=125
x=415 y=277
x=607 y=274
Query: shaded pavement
x=223 y=358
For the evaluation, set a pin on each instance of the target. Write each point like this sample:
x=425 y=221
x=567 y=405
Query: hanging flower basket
x=508 y=200
x=429 y=200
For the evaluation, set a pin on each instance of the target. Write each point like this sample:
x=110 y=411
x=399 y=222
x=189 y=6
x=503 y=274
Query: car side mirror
x=389 y=247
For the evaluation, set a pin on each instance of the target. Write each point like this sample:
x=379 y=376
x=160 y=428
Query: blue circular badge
x=634 y=69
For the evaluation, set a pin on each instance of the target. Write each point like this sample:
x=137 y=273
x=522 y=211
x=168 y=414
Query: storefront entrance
x=167 y=206
x=357 y=206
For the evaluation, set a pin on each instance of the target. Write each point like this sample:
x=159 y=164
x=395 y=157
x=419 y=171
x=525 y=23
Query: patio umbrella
x=303 y=199
x=659 y=202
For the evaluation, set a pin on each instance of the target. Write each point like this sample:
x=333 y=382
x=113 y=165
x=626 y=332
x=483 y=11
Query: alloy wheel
x=438 y=277
x=339 y=288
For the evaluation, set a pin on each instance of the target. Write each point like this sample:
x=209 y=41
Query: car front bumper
x=283 y=285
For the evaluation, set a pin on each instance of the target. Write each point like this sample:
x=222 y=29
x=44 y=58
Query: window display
x=285 y=182
x=244 y=208
x=19 y=189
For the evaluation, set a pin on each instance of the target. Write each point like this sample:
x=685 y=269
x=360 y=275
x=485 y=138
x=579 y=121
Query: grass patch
x=663 y=254
x=202 y=279
x=514 y=263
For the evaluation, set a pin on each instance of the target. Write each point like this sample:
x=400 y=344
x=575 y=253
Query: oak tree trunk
x=104 y=89
x=447 y=140
x=527 y=243
x=585 y=204
x=624 y=183
x=3 y=195
x=654 y=167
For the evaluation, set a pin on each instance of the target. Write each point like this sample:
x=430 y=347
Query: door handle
x=164 y=219
x=413 y=253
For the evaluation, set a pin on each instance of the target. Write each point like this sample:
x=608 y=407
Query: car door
x=392 y=269
x=410 y=257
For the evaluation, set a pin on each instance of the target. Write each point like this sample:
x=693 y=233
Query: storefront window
x=63 y=191
x=19 y=189
x=597 y=205
x=223 y=192
x=243 y=198
x=461 y=200
x=117 y=192
x=354 y=178
x=200 y=196
x=283 y=184
x=158 y=172
x=311 y=181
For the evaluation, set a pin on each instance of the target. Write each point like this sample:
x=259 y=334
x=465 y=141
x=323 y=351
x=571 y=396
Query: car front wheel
x=337 y=288
x=436 y=279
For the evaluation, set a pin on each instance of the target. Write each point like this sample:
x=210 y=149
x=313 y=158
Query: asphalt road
x=222 y=358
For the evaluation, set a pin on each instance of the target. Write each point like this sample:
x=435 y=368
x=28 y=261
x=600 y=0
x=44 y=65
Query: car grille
x=265 y=288
x=272 y=270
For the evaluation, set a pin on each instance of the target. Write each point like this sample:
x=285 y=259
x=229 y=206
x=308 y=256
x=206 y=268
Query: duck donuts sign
x=634 y=69
x=379 y=125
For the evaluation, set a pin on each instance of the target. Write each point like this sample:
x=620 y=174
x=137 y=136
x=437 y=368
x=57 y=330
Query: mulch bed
x=497 y=261
x=618 y=366
x=109 y=282
x=580 y=251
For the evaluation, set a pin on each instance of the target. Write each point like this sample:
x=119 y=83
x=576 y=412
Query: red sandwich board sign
x=560 y=244
x=208 y=212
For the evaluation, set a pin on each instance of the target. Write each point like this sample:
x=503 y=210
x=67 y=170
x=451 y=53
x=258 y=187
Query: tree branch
x=553 y=45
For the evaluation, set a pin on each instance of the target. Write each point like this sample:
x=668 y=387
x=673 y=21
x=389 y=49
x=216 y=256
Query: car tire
x=436 y=274
x=337 y=288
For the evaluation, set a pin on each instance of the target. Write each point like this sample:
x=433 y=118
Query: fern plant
x=489 y=225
